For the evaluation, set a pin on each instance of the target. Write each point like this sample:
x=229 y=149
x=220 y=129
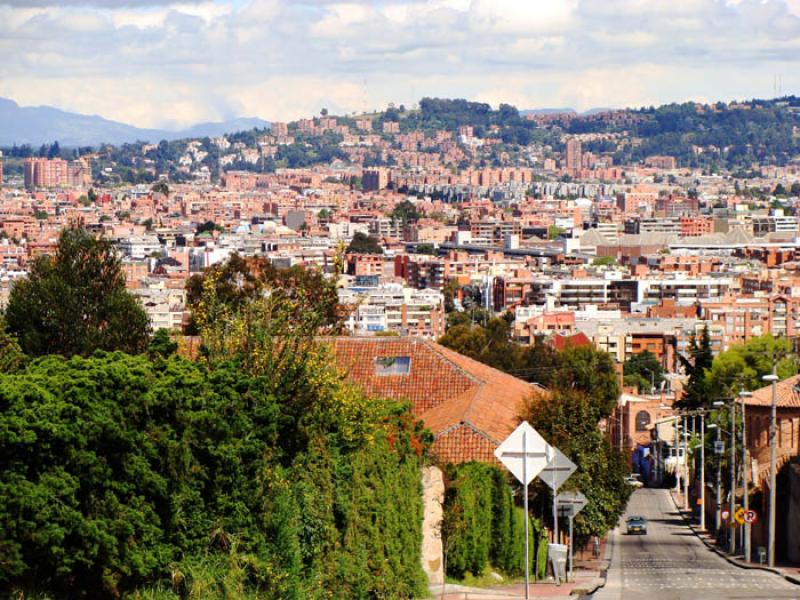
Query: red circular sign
x=750 y=516
x=725 y=514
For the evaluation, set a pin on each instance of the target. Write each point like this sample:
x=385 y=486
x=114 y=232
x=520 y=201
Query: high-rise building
x=573 y=155
x=56 y=172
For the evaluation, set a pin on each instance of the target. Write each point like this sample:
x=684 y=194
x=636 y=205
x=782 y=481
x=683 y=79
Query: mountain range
x=38 y=125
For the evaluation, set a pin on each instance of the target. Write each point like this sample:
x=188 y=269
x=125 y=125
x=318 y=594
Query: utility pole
x=685 y=463
x=718 y=516
x=745 y=486
x=702 y=470
x=732 y=529
x=772 y=458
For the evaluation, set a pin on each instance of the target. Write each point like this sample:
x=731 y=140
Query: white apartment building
x=394 y=307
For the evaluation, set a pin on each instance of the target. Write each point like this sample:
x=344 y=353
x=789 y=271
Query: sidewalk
x=789 y=572
x=589 y=574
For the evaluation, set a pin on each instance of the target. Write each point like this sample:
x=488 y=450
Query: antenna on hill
x=364 y=111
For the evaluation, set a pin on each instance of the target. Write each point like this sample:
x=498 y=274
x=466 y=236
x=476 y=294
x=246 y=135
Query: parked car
x=634 y=480
x=636 y=525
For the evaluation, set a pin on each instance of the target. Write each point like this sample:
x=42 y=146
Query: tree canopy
x=364 y=244
x=643 y=370
x=743 y=365
x=76 y=302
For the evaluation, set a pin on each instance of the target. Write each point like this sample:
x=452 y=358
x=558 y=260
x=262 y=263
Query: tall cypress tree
x=697 y=392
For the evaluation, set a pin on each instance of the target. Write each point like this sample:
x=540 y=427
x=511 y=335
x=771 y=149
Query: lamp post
x=685 y=462
x=772 y=462
x=731 y=530
x=702 y=470
x=745 y=485
x=717 y=516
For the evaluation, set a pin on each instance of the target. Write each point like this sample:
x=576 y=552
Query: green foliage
x=162 y=345
x=604 y=261
x=643 y=370
x=240 y=280
x=698 y=392
x=483 y=528
x=405 y=212
x=364 y=244
x=255 y=472
x=568 y=420
x=76 y=302
x=208 y=227
x=743 y=365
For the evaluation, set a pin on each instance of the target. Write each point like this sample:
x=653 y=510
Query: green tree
x=161 y=187
x=567 y=419
x=76 y=302
x=643 y=370
x=364 y=244
x=697 y=392
x=405 y=212
x=743 y=365
x=553 y=232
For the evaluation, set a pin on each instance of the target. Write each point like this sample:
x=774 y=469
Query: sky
x=169 y=64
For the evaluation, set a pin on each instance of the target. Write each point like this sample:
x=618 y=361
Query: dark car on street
x=636 y=525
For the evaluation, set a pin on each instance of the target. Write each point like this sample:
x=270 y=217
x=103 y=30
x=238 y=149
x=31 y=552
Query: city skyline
x=158 y=63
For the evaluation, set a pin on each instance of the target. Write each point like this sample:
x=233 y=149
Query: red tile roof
x=787 y=392
x=469 y=407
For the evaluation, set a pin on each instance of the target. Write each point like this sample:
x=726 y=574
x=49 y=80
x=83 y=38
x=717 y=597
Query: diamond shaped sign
x=572 y=502
x=557 y=470
x=524 y=453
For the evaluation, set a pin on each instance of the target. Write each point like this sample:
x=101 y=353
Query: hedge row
x=486 y=528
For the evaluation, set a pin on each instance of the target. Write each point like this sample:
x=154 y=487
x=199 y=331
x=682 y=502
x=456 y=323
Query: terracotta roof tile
x=448 y=391
x=788 y=394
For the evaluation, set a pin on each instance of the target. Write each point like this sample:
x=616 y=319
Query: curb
x=601 y=581
x=746 y=566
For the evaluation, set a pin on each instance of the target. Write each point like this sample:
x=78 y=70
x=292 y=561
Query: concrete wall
x=433 y=498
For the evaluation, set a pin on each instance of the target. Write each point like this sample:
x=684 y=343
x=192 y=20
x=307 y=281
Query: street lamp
x=720 y=403
x=745 y=486
x=772 y=460
x=717 y=516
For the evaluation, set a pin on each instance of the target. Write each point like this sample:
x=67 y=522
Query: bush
x=491 y=529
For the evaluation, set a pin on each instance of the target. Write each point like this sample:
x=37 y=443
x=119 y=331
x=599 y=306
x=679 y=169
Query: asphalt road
x=671 y=563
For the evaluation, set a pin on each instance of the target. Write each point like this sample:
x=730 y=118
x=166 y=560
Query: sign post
x=555 y=474
x=570 y=504
x=525 y=453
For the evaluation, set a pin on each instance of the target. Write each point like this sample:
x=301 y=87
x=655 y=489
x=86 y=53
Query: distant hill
x=554 y=111
x=38 y=125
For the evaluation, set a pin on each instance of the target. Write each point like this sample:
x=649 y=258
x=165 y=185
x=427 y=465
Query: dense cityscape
x=454 y=347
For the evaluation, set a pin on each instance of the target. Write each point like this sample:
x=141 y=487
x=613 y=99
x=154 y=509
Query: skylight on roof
x=392 y=365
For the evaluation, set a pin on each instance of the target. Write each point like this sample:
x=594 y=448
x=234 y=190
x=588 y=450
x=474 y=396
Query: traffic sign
x=739 y=516
x=719 y=447
x=750 y=516
x=525 y=453
x=575 y=501
x=725 y=514
x=557 y=470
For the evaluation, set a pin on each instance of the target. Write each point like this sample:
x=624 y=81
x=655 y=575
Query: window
x=642 y=420
x=392 y=365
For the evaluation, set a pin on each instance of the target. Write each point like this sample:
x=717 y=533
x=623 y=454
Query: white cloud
x=152 y=62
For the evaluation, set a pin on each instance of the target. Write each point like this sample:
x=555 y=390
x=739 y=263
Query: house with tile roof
x=469 y=407
x=757 y=418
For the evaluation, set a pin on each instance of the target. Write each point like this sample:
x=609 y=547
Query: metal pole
x=677 y=450
x=773 y=463
x=525 y=508
x=745 y=487
x=569 y=573
x=702 y=471
x=718 y=517
x=685 y=463
x=732 y=529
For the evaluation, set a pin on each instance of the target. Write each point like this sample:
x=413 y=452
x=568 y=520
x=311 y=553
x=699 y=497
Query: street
x=670 y=562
